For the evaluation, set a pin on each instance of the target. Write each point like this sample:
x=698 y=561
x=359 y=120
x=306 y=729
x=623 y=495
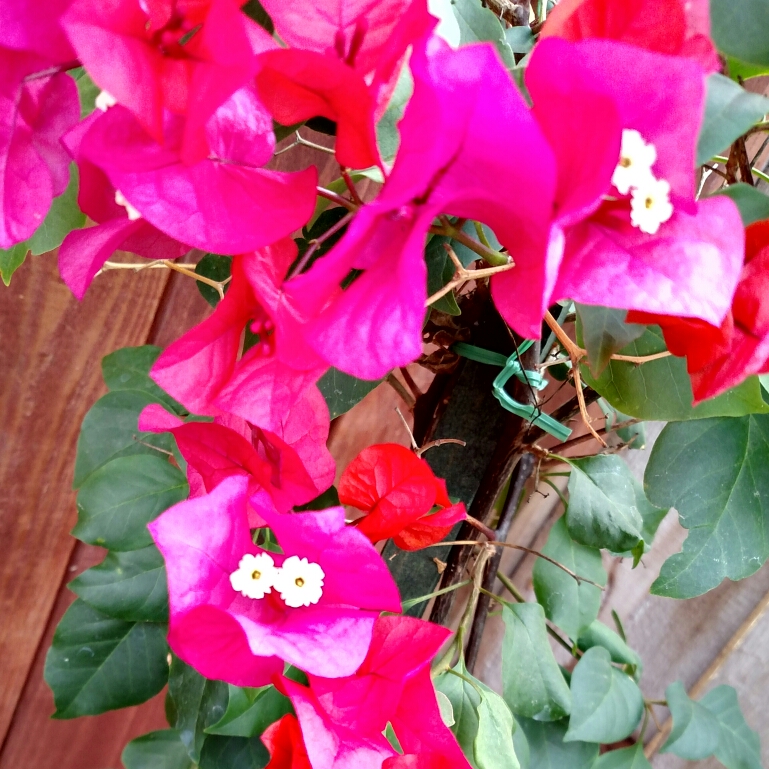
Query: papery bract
x=459 y=167
x=344 y=59
x=397 y=490
x=691 y=265
x=272 y=385
x=225 y=203
x=230 y=446
x=284 y=741
x=83 y=252
x=186 y=56
x=718 y=358
x=227 y=636
x=674 y=27
x=34 y=166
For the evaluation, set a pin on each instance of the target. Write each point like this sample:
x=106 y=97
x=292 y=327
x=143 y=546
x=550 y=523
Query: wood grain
x=50 y=348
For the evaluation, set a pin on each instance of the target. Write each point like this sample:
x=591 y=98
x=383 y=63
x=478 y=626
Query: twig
x=696 y=691
x=462 y=275
x=585 y=438
x=642 y=358
x=166 y=264
x=494 y=258
x=350 y=186
x=318 y=242
x=409 y=380
x=414 y=445
x=439 y=442
x=395 y=383
x=490 y=534
x=338 y=199
x=312 y=145
x=406 y=605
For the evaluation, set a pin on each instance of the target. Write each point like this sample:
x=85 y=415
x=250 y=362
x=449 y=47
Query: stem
x=395 y=383
x=166 y=264
x=406 y=605
x=563 y=499
x=73 y=64
x=316 y=244
x=480 y=565
x=490 y=534
x=642 y=358
x=350 y=186
x=338 y=199
x=494 y=258
x=439 y=442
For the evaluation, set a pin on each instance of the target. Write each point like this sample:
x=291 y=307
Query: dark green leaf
x=251 y=711
x=661 y=389
x=730 y=111
x=532 y=681
x=117 y=501
x=217 y=268
x=11 y=259
x=739 y=29
x=255 y=10
x=628 y=758
x=695 y=729
x=63 y=217
x=478 y=24
x=712 y=472
x=600 y=635
x=604 y=332
x=494 y=748
x=753 y=204
x=156 y=750
x=465 y=699
x=343 y=391
x=193 y=703
x=738 y=745
x=87 y=91
x=325 y=222
x=570 y=605
x=233 y=753
x=110 y=430
x=547 y=750
x=129 y=586
x=607 y=705
x=329 y=498
x=128 y=369
x=97 y=663
x=440 y=271
x=604 y=504
x=387 y=134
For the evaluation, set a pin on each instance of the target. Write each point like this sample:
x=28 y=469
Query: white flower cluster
x=650 y=197
x=299 y=582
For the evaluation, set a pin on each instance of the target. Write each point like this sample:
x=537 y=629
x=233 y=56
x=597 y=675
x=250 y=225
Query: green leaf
x=465 y=699
x=117 y=501
x=739 y=29
x=607 y=705
x=387 y=134
x=217 y=268
x=752 y=203
x=63 y=217
x=521 y=745
x=478 y=24
x=605 y=503
x=494 y=748
x=627 y=758
x=193 y=703
x=11 y=260
x=520 y=39
x=738 y=745
x=547 y=749
x=129 y=586
x=661 y=389
x=156 y=750
x=730 y=111
x=603 y=332
x=440 y=271
x=87 y=91
x=251 y=711
x=741 y=70
x=233 y=753
x=110 y=430
x=599 y=634
x=343 y=391
x=712 y=472
x=128 y=369
x=571 y=605
x=695 y=729
x=532 y=681
x=329 y=498
x=97 y=663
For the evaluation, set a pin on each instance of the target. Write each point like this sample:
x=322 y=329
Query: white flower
x=104 y=101
x=635 y=163
x=299 y=582
x=256 y=575
x=651 y=206
x=133 y=214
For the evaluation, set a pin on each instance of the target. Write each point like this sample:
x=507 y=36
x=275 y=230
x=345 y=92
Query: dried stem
x=439 y=442
x=166 y=264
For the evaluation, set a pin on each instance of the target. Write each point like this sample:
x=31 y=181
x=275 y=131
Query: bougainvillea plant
x=561 y=207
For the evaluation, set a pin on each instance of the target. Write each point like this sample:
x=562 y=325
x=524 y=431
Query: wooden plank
x=50 y=348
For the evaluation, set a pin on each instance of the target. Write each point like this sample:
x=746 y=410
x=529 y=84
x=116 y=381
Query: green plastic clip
x=511 y=367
